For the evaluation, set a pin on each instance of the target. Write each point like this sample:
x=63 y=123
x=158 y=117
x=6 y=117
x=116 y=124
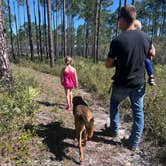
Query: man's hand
x=109 y=63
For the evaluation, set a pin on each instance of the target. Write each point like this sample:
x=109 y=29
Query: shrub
x=155 y=111
x=18 y=109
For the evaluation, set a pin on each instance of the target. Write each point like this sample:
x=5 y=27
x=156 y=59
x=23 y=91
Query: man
x=127 y=53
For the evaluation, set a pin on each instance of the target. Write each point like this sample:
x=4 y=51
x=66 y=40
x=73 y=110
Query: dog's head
x=77 y=100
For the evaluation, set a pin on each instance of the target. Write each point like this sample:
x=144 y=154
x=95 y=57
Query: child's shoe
x=151 y=80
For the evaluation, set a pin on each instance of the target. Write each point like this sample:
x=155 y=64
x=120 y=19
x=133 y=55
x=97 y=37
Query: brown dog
x=84 y=122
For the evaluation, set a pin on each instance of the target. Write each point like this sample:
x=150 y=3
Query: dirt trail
x=54 y=144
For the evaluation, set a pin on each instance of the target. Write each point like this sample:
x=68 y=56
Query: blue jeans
x=136 y=96
x=149 y=66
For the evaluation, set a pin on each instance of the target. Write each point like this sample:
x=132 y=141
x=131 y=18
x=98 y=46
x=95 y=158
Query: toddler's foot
x=151 y=80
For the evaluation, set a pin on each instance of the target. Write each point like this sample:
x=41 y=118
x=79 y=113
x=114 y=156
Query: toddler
x=148 y=60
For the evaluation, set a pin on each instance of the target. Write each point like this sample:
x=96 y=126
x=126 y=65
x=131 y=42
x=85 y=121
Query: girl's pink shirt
x=69 y=77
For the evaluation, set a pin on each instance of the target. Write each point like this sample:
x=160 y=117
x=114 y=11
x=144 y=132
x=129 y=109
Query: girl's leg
x=67 y=91
x=71 y=97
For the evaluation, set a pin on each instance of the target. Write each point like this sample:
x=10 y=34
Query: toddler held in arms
x=148 y=60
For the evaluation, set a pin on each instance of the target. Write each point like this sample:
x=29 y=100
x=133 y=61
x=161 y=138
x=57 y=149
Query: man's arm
x=111 y=58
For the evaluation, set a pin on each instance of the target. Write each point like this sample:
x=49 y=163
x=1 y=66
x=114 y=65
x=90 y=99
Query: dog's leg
x=85 y=136
x=79 y=137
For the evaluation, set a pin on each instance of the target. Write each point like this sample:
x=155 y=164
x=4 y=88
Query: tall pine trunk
x=30 y=29
x=40 y=36
x=133 y=2
x=125 y=2
x=72 y=35
x=37 y=40
x=98 y=31
x=64 y=28
x=50 y=37
x=120 y=2
x=94 y=31
x=18 y=11
x=54 y=35
x=56 y=40
x=25 y=35
x=45 y=31
x=17 y=40
x=86 y=38
x=11 y=31
x=5 y=67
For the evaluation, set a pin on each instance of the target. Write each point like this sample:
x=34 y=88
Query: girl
x=69 y=81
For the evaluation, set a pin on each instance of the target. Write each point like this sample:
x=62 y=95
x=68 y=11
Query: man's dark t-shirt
x=129 y=50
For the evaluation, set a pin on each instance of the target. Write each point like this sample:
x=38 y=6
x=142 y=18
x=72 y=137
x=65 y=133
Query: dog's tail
x=82 y=117
x=88 y=124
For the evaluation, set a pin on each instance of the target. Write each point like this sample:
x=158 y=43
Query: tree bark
x=37 y=41
x=133 y=2
x=5 y=67
x=56 y=40
x=30 y=29
x=64 y=28
x=11 y=31
x=94 y=31
x=40 y=37
x=120 y=2
x=45 y=31
x=98 y=31
x=50 y=37
x=15 y=20
x=125 y=2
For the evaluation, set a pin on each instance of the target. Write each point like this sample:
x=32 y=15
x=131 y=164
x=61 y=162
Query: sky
x=112 y=8
x=77 y=21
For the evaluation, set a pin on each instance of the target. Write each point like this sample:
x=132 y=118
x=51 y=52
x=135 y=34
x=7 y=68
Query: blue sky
x=23 y=10
x=112 y=8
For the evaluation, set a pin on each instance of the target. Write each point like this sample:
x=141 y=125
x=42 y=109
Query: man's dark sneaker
x=107 y=131
x=125 y=143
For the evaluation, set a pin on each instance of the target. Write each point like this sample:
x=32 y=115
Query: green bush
x=17 y=109
x=160 y=57
x=155 y=110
